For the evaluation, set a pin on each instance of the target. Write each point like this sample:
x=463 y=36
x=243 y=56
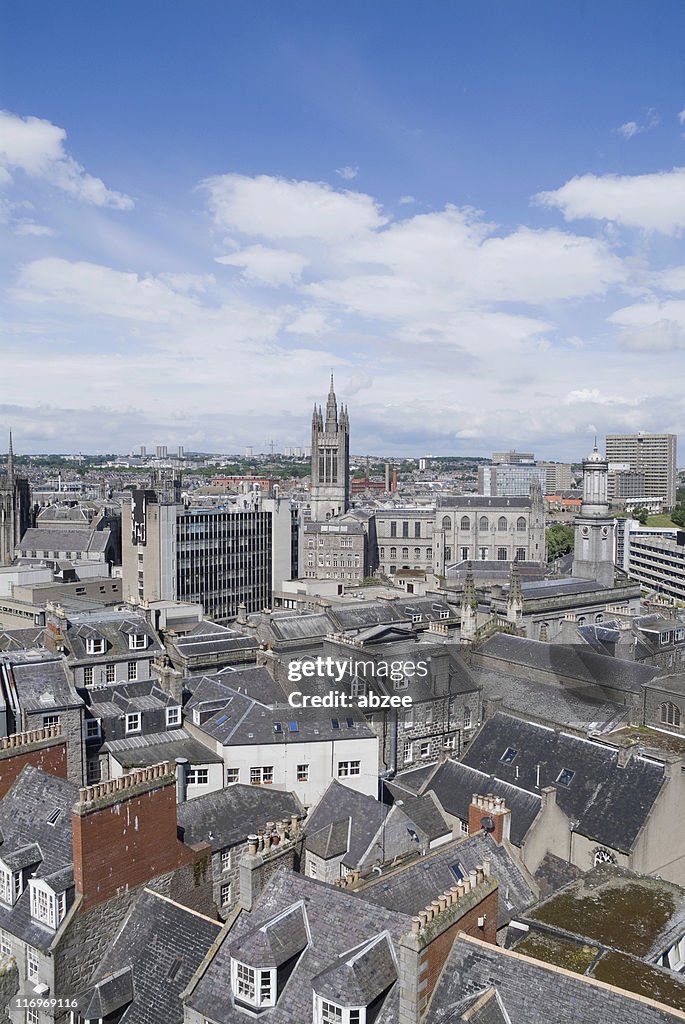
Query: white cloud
x=631 y=128
x=275 y=208
x=27 y=227
x=101 y=290
x=347 y=173
x=406 y=200
x=671 y=280
x=310 y=323
x=269 y=266
x=36 y=147
x=681 y=116
x=654 y=202
x=651 y=326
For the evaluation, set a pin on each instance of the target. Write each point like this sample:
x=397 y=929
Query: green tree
x=559 y=540
x=641 y=514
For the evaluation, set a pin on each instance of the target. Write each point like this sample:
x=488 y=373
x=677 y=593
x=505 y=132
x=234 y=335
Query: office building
x=510 y=479
x=653 y=455
x=220 y=558
x=513 y=458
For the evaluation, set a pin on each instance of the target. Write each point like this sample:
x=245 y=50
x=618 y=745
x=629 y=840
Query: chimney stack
x=490 y=814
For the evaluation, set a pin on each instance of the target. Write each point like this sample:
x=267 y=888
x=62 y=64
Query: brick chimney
x=124 y=833
x=491 y=814
x=469 y=907
x=42 y=748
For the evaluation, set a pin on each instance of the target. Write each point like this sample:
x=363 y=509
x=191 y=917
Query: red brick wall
x=433 y=957
x=476 y=815
x=126 y=843
x=50 y=759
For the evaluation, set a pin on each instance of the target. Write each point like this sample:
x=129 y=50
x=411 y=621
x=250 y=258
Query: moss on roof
x=574 y=956
x=646 y=980
x=614 y=907
x=650 y=739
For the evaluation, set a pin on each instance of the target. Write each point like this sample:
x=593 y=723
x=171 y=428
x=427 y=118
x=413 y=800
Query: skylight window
x=566 y=777
x=509 y=755
x=293 y=727
x=278 y=727
x=335 y=724
x=350 y=723
x=53 y=817
x=222 y=720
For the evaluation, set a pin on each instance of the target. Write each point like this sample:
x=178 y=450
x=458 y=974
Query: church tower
x=330 y=483
x=593 y=556
x=15 y=508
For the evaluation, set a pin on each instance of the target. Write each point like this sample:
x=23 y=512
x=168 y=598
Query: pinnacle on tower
x=10 y=462
x=515 y=595
x=469 y=608
x=331 y=409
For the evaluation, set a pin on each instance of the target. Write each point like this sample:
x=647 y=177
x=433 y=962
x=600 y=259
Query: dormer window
x=95 y=645
x=326 y=1012
x=253 y=985
x=137 y=641
x=47 y=906
x=11 y=885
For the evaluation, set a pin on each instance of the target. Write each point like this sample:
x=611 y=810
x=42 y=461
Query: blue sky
x=473 y=212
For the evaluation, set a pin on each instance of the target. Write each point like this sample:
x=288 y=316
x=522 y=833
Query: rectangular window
x=232 y=776
x=405 y=529
x=409 y=719
x=225 y=860
x=32 y=964
x=197 y=777
x=88 y=675
x=330 y=1013
x=467 y=718
x=303 y=773
x=137 y=641
x=5 y=944
x=95 y=645
x=463 y=827
x=225 y=894
x=93 y=771
x=393 y=529
x=110 y=673
x=173 y=717
x=133 y=722
x=245 y=982
x=424 y=749
x=417 y=529
x=132 y=670
x=346 y=768
x=259 y=776
x=32 y=1016
x=50 y=720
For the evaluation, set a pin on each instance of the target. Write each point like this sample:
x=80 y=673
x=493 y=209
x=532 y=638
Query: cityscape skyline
x=175 y=265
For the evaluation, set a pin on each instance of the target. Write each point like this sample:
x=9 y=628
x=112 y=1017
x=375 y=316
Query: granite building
x=15 y=508
x=330 y=481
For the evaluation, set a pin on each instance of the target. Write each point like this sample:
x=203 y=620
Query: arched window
x=602 y=856
x=599 y=617
x=465 y=523
x=405 y=552
x=670 y=714
x=417 y=552
x=521 y=523
x=502 y=523
x=446 y=523
x=483 y=523
x=393 y=552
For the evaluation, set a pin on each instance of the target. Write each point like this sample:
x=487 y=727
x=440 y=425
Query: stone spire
x=469 y=608
x=331 y=409
x=515 y=596
x=10 y=463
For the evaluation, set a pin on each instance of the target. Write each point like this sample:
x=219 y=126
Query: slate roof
x=359 y=976
x=454 y=784
x=413 y=779
x=276 y=941
x=114 y=626
x=531 y=992
x=360 y=814
x=161 y=746
x=570 y=661
x=486 y=1009
x=161 y=944
x=20 y=639
x=57 y=539
x=609 y=803
x=117 y=700
x=24 y=827
x=549 y=702
x=44 y=684
x=235 y=719
x=228 y=816
x=467 y=501
x=211 y=643
x=412 y=887
x=339 y=923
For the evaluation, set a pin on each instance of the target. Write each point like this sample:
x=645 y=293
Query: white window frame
x=5 y=944
x=11 y=884
x=95 y=645
x=137 y=641
x=32 y=964
x=173 y=717
x=225 y=894
x=247 y=983
x=47 y=906
x=346 y=769
x=197 y=777
x=303 y=773
x=132 y=729
x=226 y=859
x=132 y=671
x=328 y=1012
x=262 y=775
x=232 y=776
x=49 y=721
